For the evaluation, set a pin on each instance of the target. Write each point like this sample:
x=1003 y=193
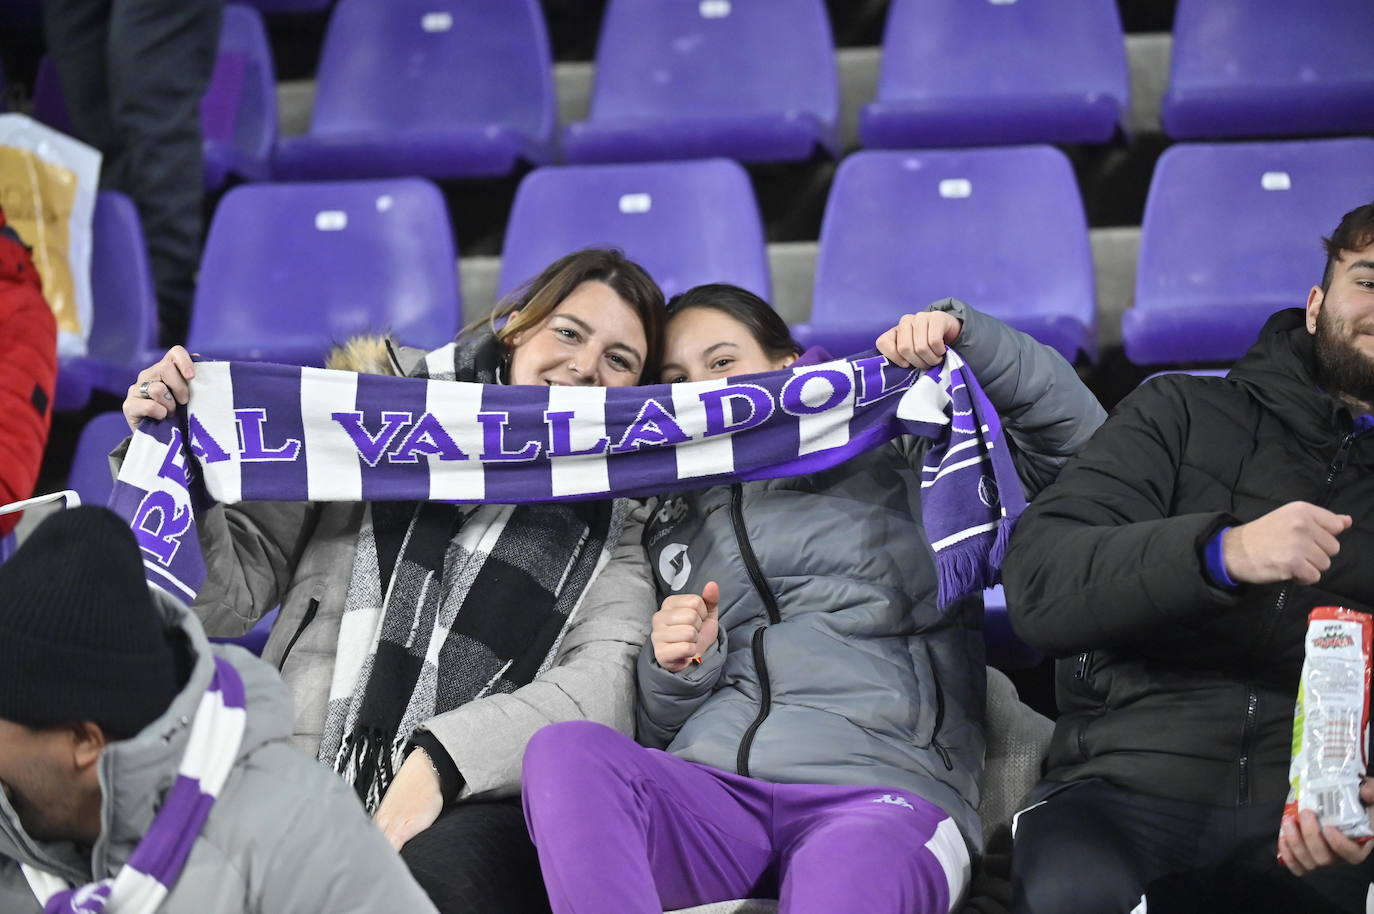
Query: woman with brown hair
x=424 y=643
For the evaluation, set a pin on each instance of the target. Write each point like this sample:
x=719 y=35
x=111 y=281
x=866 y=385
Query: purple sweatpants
x=637 y=831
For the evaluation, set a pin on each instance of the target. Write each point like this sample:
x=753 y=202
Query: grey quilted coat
x=284 y=835
x=834 y=665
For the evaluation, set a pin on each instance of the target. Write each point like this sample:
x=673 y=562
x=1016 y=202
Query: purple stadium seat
x=439 y=88
x=686 y=222
x=48 y=104
x=753 y=80
x=8 y=544
x=290 y=269
x=90 y=471
x=238 y=113
x=1232 y=234
x=1005 y=649
x=1253 y=68
x=123 y=337
x=978 y=73
x=1002 y=229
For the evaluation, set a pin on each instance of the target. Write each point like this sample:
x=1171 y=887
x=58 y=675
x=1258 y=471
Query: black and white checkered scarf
x=448 y=603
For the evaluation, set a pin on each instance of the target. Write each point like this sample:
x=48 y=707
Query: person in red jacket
x=28 y=371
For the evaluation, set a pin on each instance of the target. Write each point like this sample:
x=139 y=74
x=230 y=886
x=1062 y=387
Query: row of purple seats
x=238 y=113
x=444 y=89
x=1230 y=235
x=432 y=88
x=683 y=79
x=289 y=268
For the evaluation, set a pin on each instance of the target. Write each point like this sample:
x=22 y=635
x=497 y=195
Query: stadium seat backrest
x=969 y=72
x=1250 y=68
x=705 y=57
x=290 y=269
x=685 y=222
x=90 y=471
x=124 y=312
x=1003 y=229
x=239 y=109
x=49 y=106
x=408 y=63
x=1232 y=232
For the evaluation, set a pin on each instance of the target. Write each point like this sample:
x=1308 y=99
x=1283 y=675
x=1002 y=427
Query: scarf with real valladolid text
x=146 y=878
x=273 y=432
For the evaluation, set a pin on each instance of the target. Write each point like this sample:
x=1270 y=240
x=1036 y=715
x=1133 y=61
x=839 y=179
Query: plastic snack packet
x=1331 y=723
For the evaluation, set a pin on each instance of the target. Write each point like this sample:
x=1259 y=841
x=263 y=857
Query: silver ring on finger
x=143 y=389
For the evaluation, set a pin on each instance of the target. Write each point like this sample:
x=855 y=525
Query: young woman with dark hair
x=820 y=714
x=434 y=748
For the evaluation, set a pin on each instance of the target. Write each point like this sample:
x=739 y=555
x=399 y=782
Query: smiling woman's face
x=704 y=343
x=593 y=338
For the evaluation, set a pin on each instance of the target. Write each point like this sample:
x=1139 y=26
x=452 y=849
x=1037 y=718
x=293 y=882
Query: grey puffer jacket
x=834 y=664
x=284 y=834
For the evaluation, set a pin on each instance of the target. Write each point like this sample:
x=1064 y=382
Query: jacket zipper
x=1080 y=670
x=1270 y=624
x=770 y=604
x=765 y=704
x=309 y=617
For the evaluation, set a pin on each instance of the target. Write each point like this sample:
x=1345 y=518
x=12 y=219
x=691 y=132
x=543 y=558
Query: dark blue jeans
x=1088 y=846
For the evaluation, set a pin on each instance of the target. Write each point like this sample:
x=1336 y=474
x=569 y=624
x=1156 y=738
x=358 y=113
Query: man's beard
x=1342 y=367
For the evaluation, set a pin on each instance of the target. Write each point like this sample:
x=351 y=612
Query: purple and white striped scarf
x=278 y=433
x=144 y=882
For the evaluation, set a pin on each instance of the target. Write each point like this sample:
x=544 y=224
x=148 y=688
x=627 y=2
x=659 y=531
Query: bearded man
x=1171 y=568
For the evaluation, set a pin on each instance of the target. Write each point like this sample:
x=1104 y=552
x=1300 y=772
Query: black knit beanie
x=80 y=637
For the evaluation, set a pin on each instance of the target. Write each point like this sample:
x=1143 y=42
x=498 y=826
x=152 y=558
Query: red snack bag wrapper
x=1331 y=723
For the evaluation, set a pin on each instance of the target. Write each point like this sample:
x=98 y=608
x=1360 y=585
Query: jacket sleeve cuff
x=1214 y=561
x=690 y=679
x=450 y=778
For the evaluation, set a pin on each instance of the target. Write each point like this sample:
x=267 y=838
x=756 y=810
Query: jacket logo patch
x=987 y=492
x=890 y=800
x=674 y=566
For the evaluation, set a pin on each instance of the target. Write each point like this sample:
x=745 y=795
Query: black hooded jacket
x=1166 y=684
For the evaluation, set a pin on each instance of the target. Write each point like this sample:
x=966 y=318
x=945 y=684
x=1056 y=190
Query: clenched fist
x=685 y=626
x=1291 y=543
x=920 y=340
